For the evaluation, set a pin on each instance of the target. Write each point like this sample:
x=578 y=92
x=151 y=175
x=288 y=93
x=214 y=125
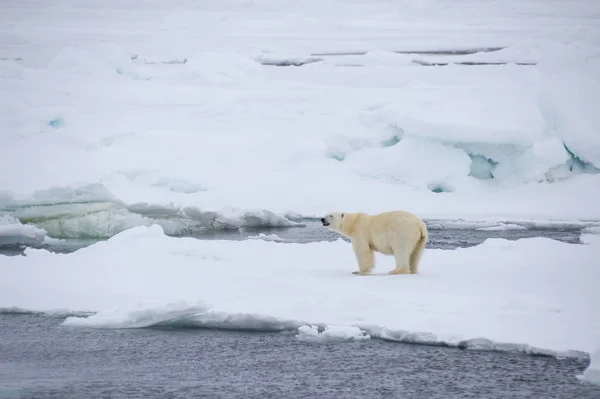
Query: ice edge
x=196 y=318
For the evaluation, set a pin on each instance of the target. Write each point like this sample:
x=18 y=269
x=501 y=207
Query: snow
x=592 y=373
x=221 y=68
x=567 y=99
x=533 y=295
x=179 y=108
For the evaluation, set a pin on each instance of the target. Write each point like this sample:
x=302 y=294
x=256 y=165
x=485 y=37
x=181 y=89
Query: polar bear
x=397 y=233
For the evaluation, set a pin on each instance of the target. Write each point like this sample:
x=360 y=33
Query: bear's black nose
x=322 y=220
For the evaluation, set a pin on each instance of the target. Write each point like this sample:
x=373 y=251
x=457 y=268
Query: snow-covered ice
x=535 y=295
x=179 y=108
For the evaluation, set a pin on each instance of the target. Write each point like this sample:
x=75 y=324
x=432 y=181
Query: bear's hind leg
x=402 y=262
x=417 y=251
x=415 y=257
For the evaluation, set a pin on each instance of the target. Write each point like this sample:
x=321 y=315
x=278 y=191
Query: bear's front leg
x=364 y=257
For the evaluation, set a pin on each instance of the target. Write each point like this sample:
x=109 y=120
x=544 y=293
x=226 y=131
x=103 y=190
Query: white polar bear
x=397 y=233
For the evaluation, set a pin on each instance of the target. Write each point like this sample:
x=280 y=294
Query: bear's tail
x=415 y=257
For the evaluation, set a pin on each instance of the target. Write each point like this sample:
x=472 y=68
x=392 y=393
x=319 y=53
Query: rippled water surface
x=39 y=358
x=444 y=236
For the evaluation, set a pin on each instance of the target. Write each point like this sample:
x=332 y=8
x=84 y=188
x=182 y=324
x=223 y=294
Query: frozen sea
x=163 y=167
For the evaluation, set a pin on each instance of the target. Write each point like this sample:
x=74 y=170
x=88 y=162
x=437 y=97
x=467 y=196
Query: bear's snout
x=325 y=223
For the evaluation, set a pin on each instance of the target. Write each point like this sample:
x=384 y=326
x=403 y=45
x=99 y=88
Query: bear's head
x=334 y=221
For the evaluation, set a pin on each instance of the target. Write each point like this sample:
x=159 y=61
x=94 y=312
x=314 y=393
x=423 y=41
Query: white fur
x=397 y=233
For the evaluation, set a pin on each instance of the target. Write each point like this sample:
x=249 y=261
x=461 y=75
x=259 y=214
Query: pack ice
x=136 y=124
x=163 y=125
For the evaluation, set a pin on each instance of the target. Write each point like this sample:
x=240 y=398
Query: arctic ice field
x=144 y=122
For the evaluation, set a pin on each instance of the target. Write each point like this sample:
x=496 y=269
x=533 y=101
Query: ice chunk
x=180 y=314
x=592 y=373
x=142 y=317
x=269 y=58
x=91 y=211
x=266 y=237
x=59 y=195
x=331 y=333
x=101 y=224
x=505 y=155
x=503 y=227
x=13 y=232
x=590 y=235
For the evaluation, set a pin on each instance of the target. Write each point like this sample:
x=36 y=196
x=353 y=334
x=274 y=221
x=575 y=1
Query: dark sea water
x=39 y=358
x=440 y=236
